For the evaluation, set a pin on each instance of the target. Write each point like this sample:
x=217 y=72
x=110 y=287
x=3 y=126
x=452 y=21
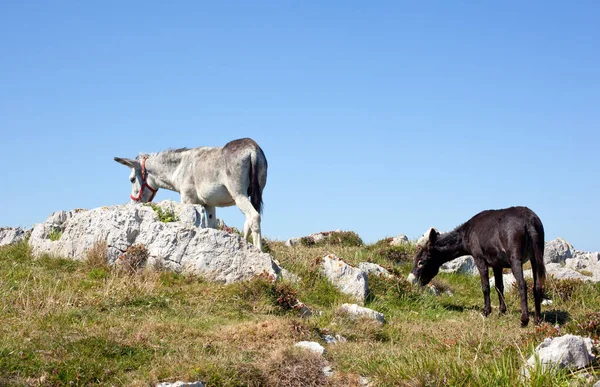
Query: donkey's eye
x=132 y=179
x=421 y=263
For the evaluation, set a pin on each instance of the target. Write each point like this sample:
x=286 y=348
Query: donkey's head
x=141 y=180
x=427 y=261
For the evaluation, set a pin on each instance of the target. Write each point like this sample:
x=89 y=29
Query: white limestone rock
x=568 y=351
x=11 y=235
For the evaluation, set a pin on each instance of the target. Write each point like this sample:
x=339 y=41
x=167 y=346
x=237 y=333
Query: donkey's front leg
x=211 y=214
x=485 y=286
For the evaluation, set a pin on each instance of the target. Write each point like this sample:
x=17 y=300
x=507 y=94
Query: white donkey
x=211 y=177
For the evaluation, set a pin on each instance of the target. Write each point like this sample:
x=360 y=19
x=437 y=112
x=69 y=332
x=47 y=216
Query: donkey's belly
x=216 y=196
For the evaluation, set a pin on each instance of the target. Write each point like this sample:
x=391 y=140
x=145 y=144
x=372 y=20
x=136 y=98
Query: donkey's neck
x=164 y=168
x=451 y=245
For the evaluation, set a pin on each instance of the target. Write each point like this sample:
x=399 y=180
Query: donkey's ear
x=433 y=235
x=128 y=162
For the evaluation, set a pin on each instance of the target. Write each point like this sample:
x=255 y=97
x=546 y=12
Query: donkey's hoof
x=524 y=323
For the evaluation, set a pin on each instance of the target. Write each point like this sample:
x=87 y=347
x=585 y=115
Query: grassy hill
x=64 y=322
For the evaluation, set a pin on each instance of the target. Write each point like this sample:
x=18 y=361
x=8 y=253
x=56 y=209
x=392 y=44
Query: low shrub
x=134 y=258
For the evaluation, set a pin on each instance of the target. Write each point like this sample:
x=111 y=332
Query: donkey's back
x=499 y=234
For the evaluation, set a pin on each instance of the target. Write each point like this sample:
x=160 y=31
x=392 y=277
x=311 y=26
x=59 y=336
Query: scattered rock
x=328 y=339
x=348 y=279
x=568 y=351
x=340 y=339
x=365 y=382
x=180 y=384
x=357 y=311
x=179 y=246
x=311 y=346
x=10 y=235
x=557 y=251
x=564 y=273
x=401 y=239
x=546 y=302
x=460 y=265
x=303 y=310
x=373 y=268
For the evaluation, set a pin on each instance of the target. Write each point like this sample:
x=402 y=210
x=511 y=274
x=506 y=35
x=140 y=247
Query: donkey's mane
x=166 y=153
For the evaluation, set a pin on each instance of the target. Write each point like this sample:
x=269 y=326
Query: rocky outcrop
x=179 y=245
x=348 y=279
x=557 y=251
x=10 y=235
x=357 y=311
x=568 y=351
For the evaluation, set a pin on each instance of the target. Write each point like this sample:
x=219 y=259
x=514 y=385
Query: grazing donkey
x=211 y=177
x=498 y=239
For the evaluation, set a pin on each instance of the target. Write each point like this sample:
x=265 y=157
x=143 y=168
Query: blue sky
x=381 y=117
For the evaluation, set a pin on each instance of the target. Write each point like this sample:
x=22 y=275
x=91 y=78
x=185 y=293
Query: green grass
x=65 y=322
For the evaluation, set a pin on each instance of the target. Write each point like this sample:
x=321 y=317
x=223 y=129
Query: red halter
x=144 y=184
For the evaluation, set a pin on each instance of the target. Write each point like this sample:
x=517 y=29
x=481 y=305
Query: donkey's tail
x=536 y=233
x=258 y=175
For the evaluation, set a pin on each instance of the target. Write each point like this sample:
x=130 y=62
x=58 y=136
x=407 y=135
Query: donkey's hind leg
x=517 y=270
x=252 y=219
x=500 y=288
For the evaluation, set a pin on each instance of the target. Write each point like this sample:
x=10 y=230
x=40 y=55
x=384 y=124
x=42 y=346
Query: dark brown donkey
x=495 y=238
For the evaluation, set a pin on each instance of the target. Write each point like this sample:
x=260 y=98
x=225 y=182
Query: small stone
x=311 y=346
x=357 y=311
x=328 y=339
x=328 y=371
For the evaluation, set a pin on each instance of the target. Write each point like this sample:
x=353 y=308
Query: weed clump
x=333 y=238
x=284 y=295
x=164 y=215
x=590 y=326
x=397 y=254
x=134 y=258
x=55 y=234
x=295 y=367
x=344 y=238
x=97 y=256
